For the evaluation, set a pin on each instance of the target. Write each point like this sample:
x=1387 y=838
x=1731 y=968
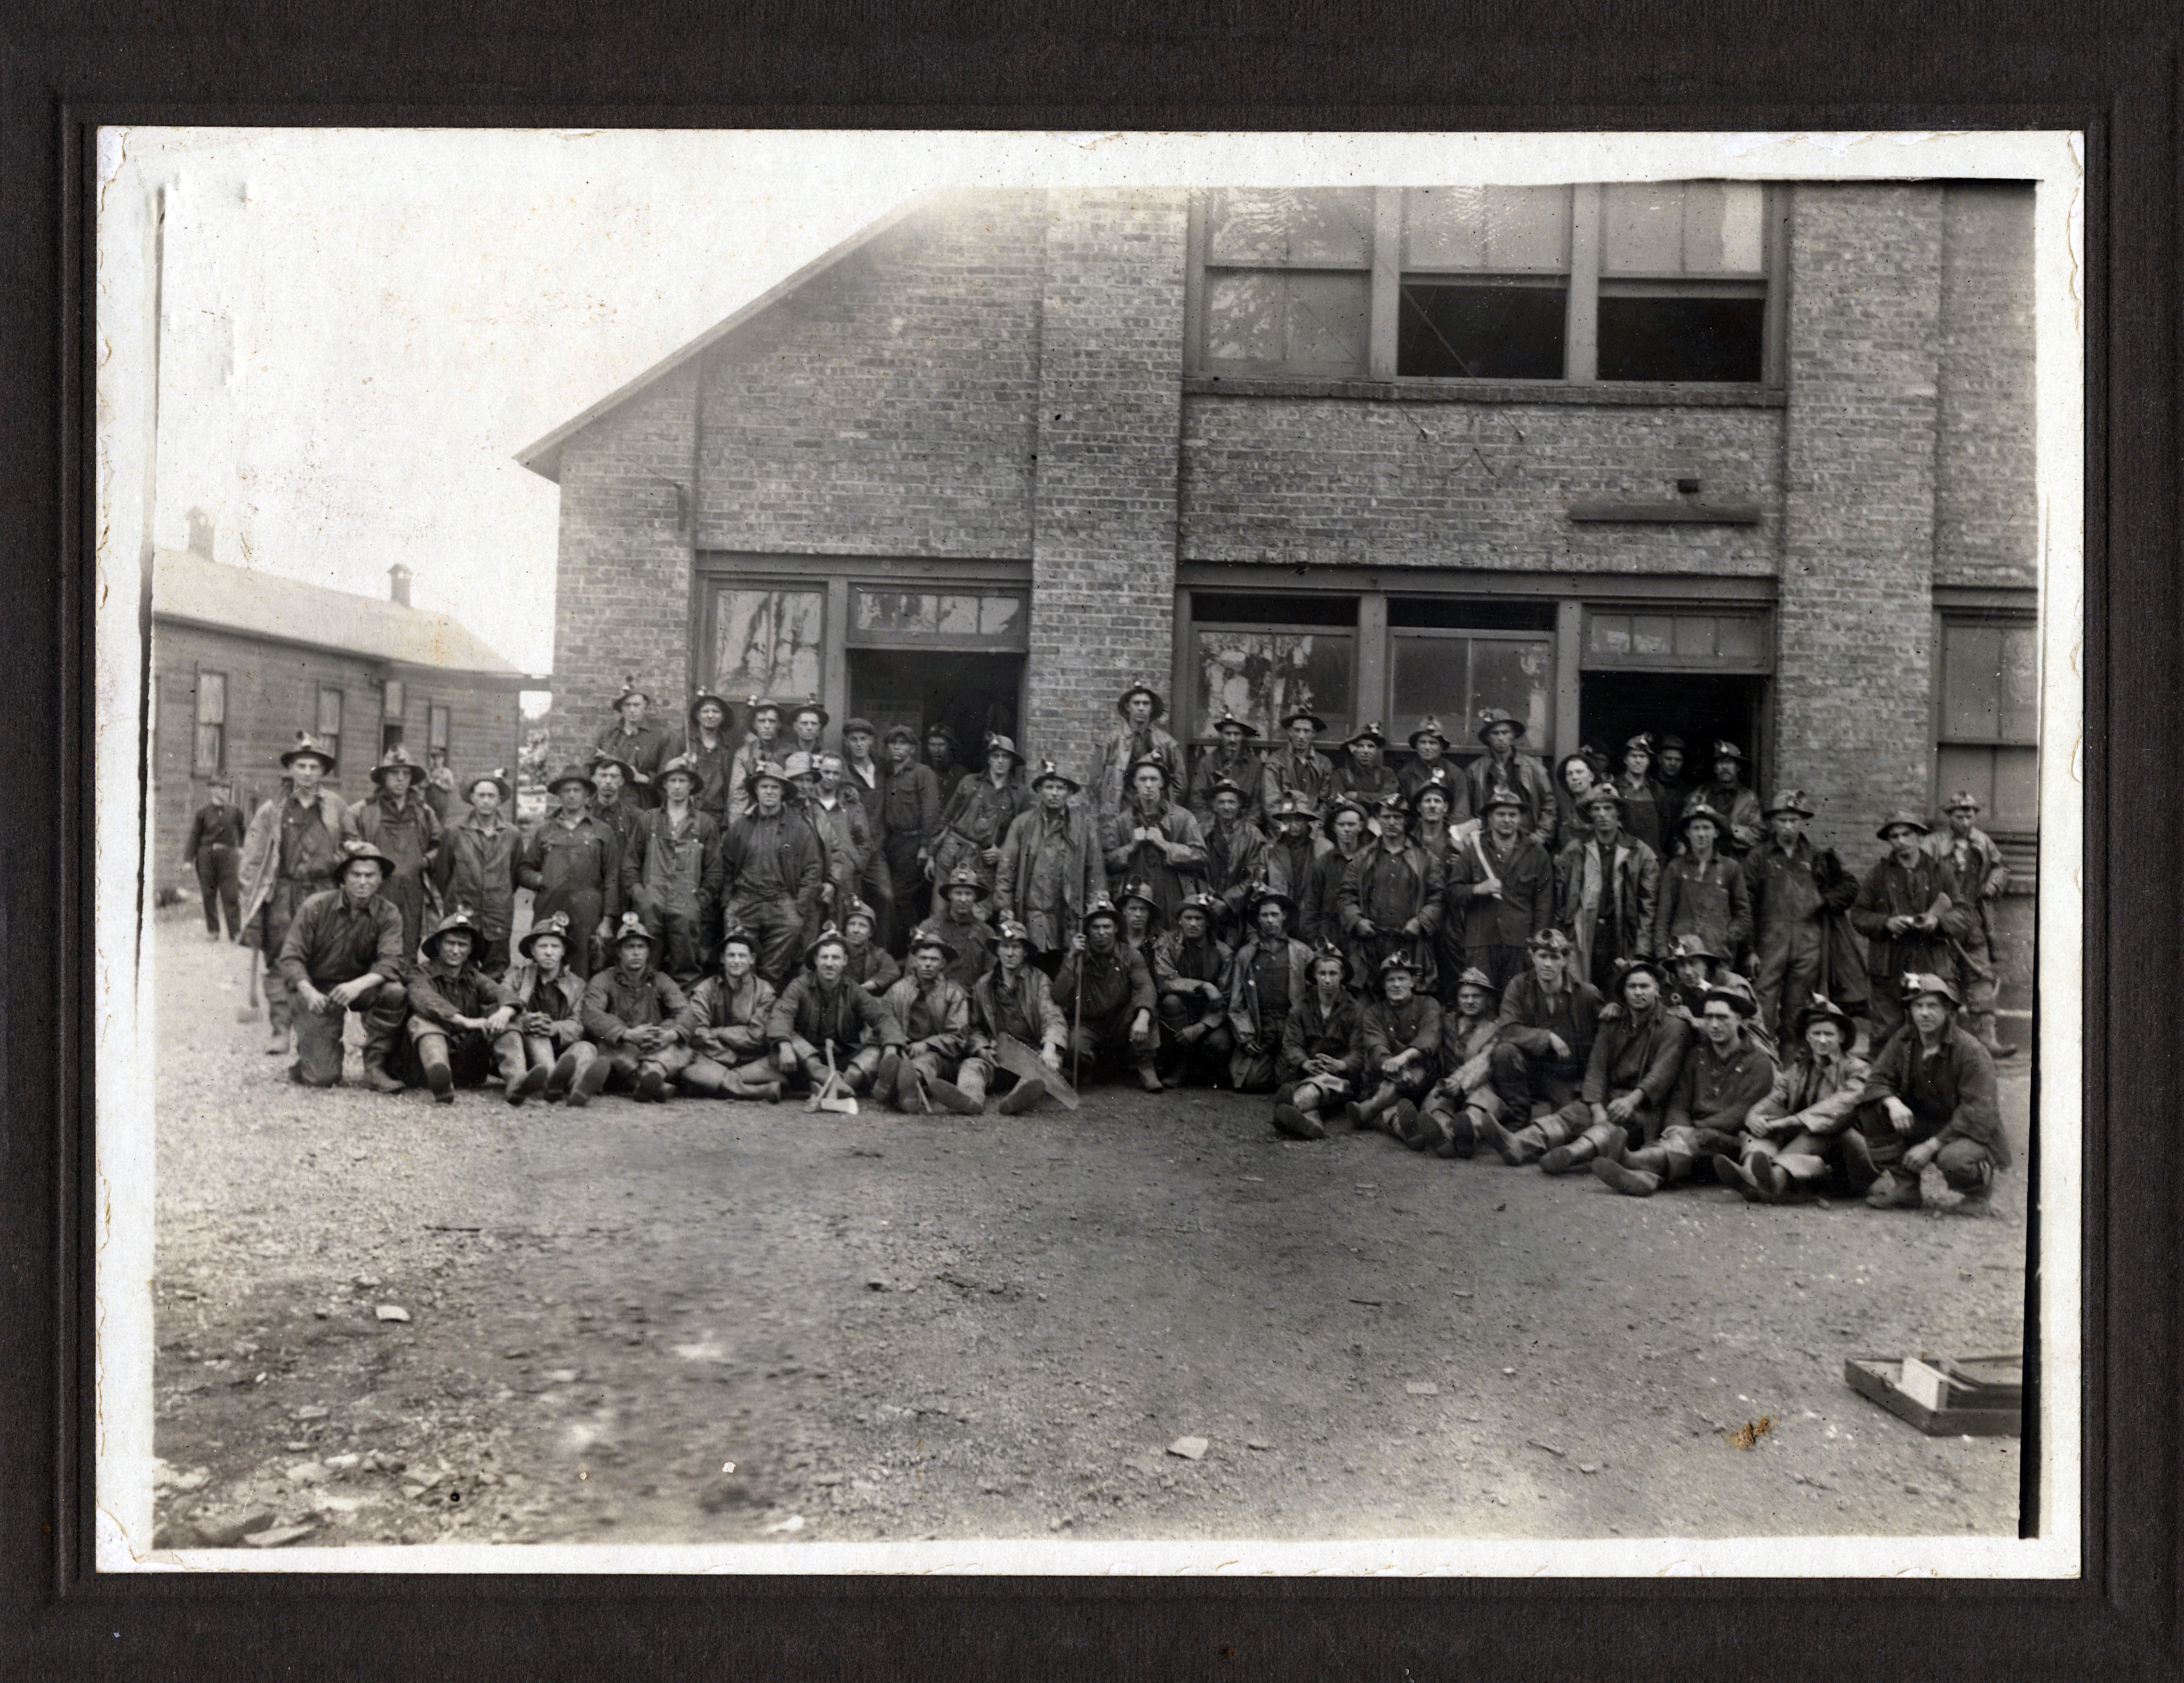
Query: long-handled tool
x=248 y=1013
x=1077 y=1026
x=826 y=1099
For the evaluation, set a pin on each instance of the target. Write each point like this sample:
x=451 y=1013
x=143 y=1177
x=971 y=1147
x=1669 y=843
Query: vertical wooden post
x=1374 y=700
x=1387 y=280
x=1569 y=650
x=1581 y=335
x=834 y=663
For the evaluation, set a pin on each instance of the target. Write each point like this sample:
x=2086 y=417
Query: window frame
x=199 y=724
x=439 y=725
x=1352 y=633
x=1979 y=616
x=1464 y=745
x=331 y=740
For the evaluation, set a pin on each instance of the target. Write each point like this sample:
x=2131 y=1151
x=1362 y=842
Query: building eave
x=399 y=668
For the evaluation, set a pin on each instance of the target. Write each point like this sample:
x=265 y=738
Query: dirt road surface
x=987 y=1327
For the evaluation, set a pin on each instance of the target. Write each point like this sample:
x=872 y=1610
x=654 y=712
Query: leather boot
x=1404 y=1123
x=590 y=1083
x=955 y=1097
x=1149 y=1079
x=1564 y=1159
x=559 y=1078
x=433 y=1053
x=1990 y=1039
x=910 y=1090
x=1898 y=1189
x=972 y=1084
x=1499 y=1138
x=708 y=1079
x=1857 y=1159
x=1298 y=1125
x=518 y=1079
x=1021 y=1097
x=276 y=1039
x=376 y=1075
x=1744 y=1177
x=651 y=1085
x=1636 y=1183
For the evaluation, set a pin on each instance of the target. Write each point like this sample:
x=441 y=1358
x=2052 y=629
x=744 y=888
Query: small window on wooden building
x=210 y=756
x=330 y=722
x=437 y=720
x=393 y=706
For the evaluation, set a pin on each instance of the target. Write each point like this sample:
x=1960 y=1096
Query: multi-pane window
x=767 y=641
x=209 y=755
x=437 y=719
x=393 y=706
x=1458 y=677
x=1990 y=721
x=1260 y=657
x=330 y=722
x=1661 y=281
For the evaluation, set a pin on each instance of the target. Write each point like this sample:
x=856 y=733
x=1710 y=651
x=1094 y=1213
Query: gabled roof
x=187 y=589
x=544 y=457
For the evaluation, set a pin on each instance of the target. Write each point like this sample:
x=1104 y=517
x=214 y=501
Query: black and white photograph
x=1088 y=854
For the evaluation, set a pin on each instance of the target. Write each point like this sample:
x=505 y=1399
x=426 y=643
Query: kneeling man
x=934 y=1014
x=342 y=952
x=1931 y=1099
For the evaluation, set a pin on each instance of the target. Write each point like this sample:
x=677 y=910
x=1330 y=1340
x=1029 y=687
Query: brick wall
x=1984 y=510
x=1853 y=718
x=1110 y=415
x=1297 y=480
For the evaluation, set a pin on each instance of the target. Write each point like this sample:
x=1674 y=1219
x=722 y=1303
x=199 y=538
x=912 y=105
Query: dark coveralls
x=1524 y=1068
x=329 y=942
x=1235 y=859
x=1173 y=877
x=773 y=868
x=672 y=874
x=1712 y=1097
x=1265 y=982
x=1309 y=1032
x=910 y=822
x=1388 y=889
x=1713 y=901
x=1792 y=892
x=471 y=1055
x=1191 y=978
x=1319 y=907
x=1891 y=890
x=1386 y=1031
x=615 y=1002
x=811 y=1017
x=407 y=832
x=1952 y=1096
x=1117 y=987
x=1630 y=1054
x=213 y=850
x=476 y=867
x=309 y=855
x=1496 y=928
x=574 y=868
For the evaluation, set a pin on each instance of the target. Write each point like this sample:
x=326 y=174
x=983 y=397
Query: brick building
x=241 y=660
x=1711 y=458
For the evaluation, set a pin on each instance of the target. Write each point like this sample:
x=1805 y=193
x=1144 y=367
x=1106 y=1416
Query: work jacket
x=1284 y=773
x=1740 y=806
x=331 y=941
x=1386 y=1030
x=1177 y=964
x=1245 y=771
x=476 y=867
x=218 y=823
x=1635 y=1054
x=559 y=999
x=1252 y=1018
x=1821 y=1097
x=440 y=997
x=1712 y=900
x=287 y=839
x=1119 y=747
x=1524 y=776
x=874 y=968
x=1310 y=1031
x=642 y=750
x=935 y=1017
x=1717 y=1092
x=1235 y=858
x=1951 y=1090
x=772 y=859
x=1893 y=890
x=574 y=868
x=1081 y=873
x=1526 y=903
x=615 y=1002
x=723 y=1021
x=1528 y=1016
x=811 y=1016
x=1117 y=984
x=1629 y=888
x=1025 y=1011
x=1173 y=876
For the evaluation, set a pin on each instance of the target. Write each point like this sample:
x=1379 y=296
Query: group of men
x=1170 y=920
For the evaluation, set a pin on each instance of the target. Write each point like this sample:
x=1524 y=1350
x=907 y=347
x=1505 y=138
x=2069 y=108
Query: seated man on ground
x=1190 y=973
x=1398 y=1048
x=1113 y=1022
x=724 y=1026
x=1014 y=998
x=1792 y=1133
x=1931 y=1099
x=934 y=1014
x=1265 y=979
x=871 y=965
x=462 y=1022
x=1546 y=1025
x=342 y=952
x=822 y=1014
x=1636 y=1058
x=1451 y=1112
x=550 y=1003
x=629 y=1013
x=1323 y=1048
x=959 y=925
x=1725 y=1073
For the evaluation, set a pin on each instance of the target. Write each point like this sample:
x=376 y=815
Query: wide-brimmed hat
x=556 y=924
x=1140 y=890
x=1964 y=799
x=1370 y=733
x=1732 y=988
x=1728 y=750
x=1691 y=944
x=1100 y=906
x=854 y=907
x=628 y=690
x=1596 y=795
x=1261 y=893
x=809 y=704
x=1200 y=902
x=1305 y=714
x=460 y=919
x=1503 y=796
x=1123 y=701
x=1551 y=939
x=1291 y=805
x=1226 y=785
x=1918 y=982
x=921 y=939
x=1643 y=742
x=945 y=731
x=1698 y=809
x=1011 y=930
x=797 y=764
x=498 y=777
x=1496 y=715
x=679 y=762
x=601 y=758
x=1159 y=764
x=396 y=759
x=1392 y=806
x=1474 y=977
x=307 y=743
x=755 y=704
x=1821 y=1005
x=700 y=698
x=1340 y=805
x=1438 y=781
x=828 y=933
x=1399 y=960
x=1899 y=819
x=1428 y=727
x=964 y=876
x=902 y=733
x=1229 y=719
x=736 y=932
x=632 y=928
x=772 y=771
x=1049 y=772
x=571 y=774
x=1624 y=967
x=1323 y=948
x=998 y=743
x=1675 y=742
x=1790 y=800
x=353 y=849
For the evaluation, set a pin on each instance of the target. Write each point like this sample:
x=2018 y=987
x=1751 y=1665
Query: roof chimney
x=201 y=531
x=397 y=587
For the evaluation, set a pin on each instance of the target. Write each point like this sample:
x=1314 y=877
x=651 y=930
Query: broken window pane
x=1481 y=331
x=1310 y=227
x=1261 y=675
x=767 y=642
x=1495 y=230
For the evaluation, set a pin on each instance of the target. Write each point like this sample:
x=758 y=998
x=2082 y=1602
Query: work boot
x=973 y=1082
x=376 y=1075
x=558 y=1078
x=1731 y=1173
x=1463 y=1127
x=1405 y=1122
x=910 y=1090
x=1896 y=1189
x=1021 y=1097
x=1990 y=1039
x=433 y=1053
x=707 y=1079
x=1637 y=1183
x=1564 y=1159
x=1149 y=1079
x=1499 y=1138
x=518 y=1080
x=276 y=1040
x=651 y=1085
x=1979 y=1201
x=531 y=1082
x=1772 y=1175
x=889 y=1071
x=1298 y=1125
x=1857 y=1159
x=590 y=1084
x=955 y=1097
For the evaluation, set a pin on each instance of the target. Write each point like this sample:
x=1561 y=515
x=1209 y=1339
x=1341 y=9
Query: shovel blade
x=844 y=1106
x=1026 y=1065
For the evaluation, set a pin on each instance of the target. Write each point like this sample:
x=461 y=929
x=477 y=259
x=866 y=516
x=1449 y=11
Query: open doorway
x=1700 y=707
x=970 y=694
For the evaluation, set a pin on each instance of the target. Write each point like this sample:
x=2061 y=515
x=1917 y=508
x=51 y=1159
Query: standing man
x=772 y=867
x=1113 y=1020
x=1981 y=875
x=1153 y=840
x=865 y=778
x=807 y=727
x=1547 y=1022
x=1139 y=739
x=572 y=864
x=1736 y=807
x=957 y=925
x=1675 y=787
x=1051 y=868
x=292 y=851
x=1645 y=809
x=462 y=1022
x=1228 y=761
x=708 y=744
x=438 y=788
x=837 y=817
x=1606 y=881
x=611 y=802
x=475 y=866
x=1703 y=891
x=1235 y=854
x=673 y=872
x=397 y=821
x=910 y=825
x=978 y=815
x=1500 y=889
x=341 y=952
x=724 y=1026
x=1725 y=1073
x=631 y=1013
x=1390 y=904
x=1293 y=850
x=635 y=740
x=1190 y=974
x=1502 y=768
x=1299 y=770
x=1909 y=912
x=1363 y=775
x=212 y=852
x=942 y=756
x=1430 y=763
x=762 y=742
x=1796 y=888
x=1931 y=1099
x=1320 y=912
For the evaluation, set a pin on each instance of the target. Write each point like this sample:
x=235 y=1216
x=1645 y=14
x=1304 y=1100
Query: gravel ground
x=993 y=1327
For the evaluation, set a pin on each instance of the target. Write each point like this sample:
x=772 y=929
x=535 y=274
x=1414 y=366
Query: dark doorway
x=1700 y=707
x=970 y=694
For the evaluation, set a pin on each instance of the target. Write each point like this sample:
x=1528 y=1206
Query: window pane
x=1429 y=678
x=2016 y=803
x=766 y=642
x=1971 y=668
x=1289 y=319
x=1695 y=635
x=1328 y=316
x=1739 y=637
x=212 y=698
x=1261 y=675
x=1495 y=230
x=1000 y=616
x=330 y=712
x=1723 y=232
x=1641 y=228
x=1681 y=339
x=1653 y=634
x=1517 y=677
x=1610 y=634
x=1481 y=332
x=1244 y=318
x=396 y=700
x=1290 y=226
x=208 y=745
x=1966 y=768
x=436 y=727
x=958 y=615
x=2021 y=685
